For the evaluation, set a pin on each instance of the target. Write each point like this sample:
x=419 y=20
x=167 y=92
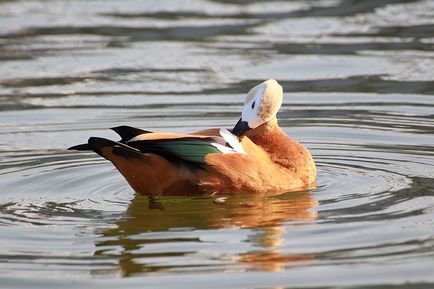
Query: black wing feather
x=128 y=132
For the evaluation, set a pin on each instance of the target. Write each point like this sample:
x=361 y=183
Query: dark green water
x=359 y=93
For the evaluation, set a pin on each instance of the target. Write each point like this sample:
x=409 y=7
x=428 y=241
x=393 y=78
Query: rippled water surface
x=359 y=93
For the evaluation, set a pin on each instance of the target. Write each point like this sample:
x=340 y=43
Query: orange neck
x=268 y=135
x=283 y=150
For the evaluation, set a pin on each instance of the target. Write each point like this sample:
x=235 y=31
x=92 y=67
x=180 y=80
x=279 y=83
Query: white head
x=261 y=105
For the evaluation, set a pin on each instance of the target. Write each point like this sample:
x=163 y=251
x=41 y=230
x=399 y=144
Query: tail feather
x=128 y=132
x=97 y=144
x=81 y=147
x=148 y=173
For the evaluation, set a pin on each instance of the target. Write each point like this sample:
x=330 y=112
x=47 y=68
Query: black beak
x=240 y=128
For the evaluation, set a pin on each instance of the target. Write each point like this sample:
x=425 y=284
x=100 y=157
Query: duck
x=256 y=156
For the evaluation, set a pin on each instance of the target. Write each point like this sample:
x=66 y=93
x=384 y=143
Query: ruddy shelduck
x=255 y=157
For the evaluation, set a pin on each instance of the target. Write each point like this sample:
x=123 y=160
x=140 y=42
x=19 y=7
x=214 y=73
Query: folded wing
x=180 y=148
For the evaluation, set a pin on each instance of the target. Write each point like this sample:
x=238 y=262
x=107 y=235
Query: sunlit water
x=359 y=93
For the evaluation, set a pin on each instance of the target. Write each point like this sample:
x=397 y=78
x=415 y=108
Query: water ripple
x=358 y=84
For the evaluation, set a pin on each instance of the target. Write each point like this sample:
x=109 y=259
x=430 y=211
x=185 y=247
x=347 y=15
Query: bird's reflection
x=153 y=222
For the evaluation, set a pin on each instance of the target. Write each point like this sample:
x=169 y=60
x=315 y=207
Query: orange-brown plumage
x=274 y=163
x=151 y=174
x=172 y=164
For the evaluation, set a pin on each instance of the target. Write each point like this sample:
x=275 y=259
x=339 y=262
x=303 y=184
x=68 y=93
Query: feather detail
x=232 y=140
x=128 y=132
x=224 y=149
x=190 y=150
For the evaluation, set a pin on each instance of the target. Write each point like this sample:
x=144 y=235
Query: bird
x=256 y=156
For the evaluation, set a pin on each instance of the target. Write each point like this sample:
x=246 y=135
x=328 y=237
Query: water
x=359 y=93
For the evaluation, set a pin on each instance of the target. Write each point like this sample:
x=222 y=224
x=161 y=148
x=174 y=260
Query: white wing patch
x=234 y=144
x=223 y=149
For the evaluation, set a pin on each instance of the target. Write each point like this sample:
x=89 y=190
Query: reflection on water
x=358 y=83
x=184 y=218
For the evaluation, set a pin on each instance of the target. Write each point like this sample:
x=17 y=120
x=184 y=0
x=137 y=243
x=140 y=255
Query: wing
x=181 y=148
x=128 y=132
x=190 y=148
x=186 y=148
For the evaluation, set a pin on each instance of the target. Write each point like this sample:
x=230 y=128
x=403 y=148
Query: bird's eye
x=253 y=104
